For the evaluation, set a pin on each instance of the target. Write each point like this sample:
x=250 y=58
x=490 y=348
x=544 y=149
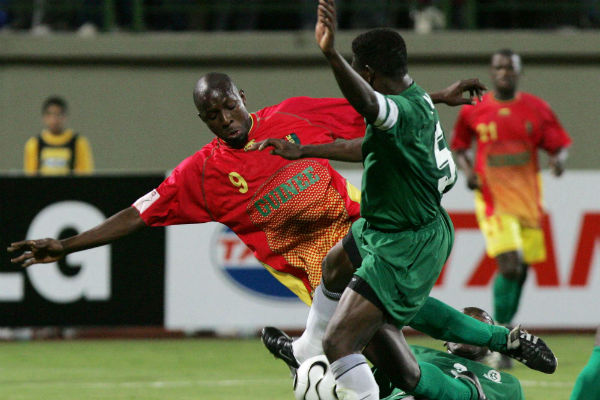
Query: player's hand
x=473 y=181
x=37 y=251
x=557 y=167
x=453 y=95
x=280 y=147
x=325 y=28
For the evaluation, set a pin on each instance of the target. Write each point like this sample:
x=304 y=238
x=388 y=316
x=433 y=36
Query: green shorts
x=402 y=267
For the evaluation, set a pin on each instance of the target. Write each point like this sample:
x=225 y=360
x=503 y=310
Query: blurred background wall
x=131 y=94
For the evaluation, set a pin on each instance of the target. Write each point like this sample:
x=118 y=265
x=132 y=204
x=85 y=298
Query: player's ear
x=369 y=74
x=243 y=96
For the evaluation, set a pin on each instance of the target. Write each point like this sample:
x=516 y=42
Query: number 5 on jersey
x=443 y=158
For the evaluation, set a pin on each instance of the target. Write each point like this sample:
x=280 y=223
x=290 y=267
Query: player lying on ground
x=407 y=234
x=509 y=127
x=587 y=385
x=289 y=213
x=459 y=358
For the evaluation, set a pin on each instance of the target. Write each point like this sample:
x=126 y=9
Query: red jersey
x=289 y=213
x=508 y=134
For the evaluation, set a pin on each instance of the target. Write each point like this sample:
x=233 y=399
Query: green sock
x=440 y=321
x=507 y=293
x=587 y=385
x=434 y=384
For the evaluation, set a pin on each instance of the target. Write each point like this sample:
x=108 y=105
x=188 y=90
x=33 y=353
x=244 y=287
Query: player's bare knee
x=510 y=265
x=335 y=274
x=336 y=342
x=408 y=379
x=327 y=272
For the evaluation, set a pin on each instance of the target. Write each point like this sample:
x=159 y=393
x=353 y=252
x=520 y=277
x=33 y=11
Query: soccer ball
x=314 y=380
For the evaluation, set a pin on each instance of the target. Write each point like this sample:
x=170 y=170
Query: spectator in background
x=236 y=15
x=4 y=19
x=57 y=150
x=352 y=14
x=590 y=17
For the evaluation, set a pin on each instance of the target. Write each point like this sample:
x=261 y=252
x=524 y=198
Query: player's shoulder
x=411 y=103
x=196 y=160
x=33 y=140
x=301 y=104
x=533 y=100
x=80 y=138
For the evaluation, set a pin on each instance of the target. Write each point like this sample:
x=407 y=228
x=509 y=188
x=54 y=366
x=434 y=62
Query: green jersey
x=496 y=385
x=407 y=162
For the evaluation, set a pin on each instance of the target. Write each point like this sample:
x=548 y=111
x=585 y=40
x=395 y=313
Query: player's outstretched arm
x=453 y=95
x=355 y=89
x=50 y=250
x=340 y=150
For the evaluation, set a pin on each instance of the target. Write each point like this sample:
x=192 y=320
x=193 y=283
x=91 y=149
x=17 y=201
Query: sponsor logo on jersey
x=286 y=191
x=146 y=201
x=237 y=262
x=459 y=367
x=493 y=376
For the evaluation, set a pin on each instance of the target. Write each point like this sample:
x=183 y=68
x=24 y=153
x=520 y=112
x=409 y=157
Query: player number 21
x=239 y=182
x=487 y=131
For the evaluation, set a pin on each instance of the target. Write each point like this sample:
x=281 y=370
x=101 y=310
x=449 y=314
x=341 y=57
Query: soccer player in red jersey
x=509 y=127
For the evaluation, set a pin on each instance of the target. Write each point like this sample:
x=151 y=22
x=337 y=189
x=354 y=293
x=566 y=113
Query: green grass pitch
x=206 y=369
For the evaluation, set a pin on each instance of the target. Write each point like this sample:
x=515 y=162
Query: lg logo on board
x=91 y=282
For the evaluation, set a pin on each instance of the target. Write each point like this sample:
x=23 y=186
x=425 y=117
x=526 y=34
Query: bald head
x=223 y=108
x=213 y=84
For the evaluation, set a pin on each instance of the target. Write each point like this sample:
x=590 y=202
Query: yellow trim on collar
x=57 y=140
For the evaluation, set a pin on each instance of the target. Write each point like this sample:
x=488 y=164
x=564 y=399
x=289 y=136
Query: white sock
x=310 y=343
x=354 y=378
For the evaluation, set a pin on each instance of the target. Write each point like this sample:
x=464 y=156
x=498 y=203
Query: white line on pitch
x=153 y=384
x=220 y=382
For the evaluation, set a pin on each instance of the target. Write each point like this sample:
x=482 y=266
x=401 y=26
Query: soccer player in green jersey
x=407 y=234
x=587 y=385
x=460 y=357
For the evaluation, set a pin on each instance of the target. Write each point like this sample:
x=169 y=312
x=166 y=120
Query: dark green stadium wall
x=132 y=95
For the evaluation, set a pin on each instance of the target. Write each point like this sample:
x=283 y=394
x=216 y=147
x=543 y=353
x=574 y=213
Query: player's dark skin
x=223 y=109
x=505 y=78
x=54 y=118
